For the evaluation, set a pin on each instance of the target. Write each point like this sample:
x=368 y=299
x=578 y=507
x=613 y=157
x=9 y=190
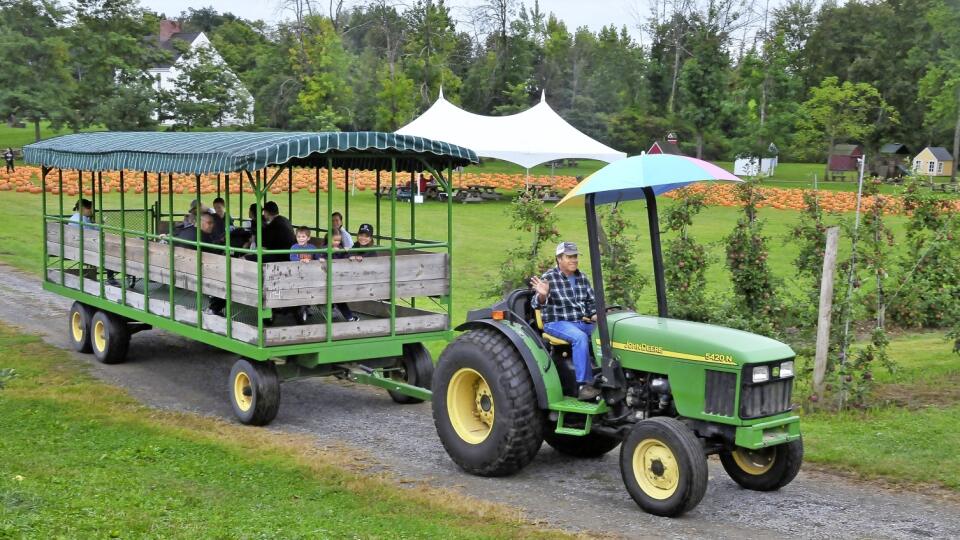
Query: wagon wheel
x=254 y=391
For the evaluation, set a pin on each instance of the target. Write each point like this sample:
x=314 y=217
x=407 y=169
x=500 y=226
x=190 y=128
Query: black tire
x=416 y=368
x=767 y=469
x=482 y=369
x=109 y=337
x=664 y=466
x=592 y=445
x=254 y=392
x=78 y=327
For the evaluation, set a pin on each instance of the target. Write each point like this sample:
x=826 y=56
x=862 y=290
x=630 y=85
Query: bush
x=528 y=214
x=685 y=261
x=622 y=280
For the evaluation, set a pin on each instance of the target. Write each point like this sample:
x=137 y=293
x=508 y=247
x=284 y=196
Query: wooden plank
x=355 y=293
x=158 y=274
x=296 y=275
x=287 y=335
x=241 y=331
x=243 y=272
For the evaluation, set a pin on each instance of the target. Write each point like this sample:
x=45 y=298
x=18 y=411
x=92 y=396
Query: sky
x=574 y=13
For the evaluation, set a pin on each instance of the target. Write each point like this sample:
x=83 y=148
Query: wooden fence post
x=826 y=308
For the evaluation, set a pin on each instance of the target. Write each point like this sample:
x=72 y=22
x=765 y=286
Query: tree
x=109 y=59
x=207 y=94
x=703 y=81
x=395 y=100
x=841 y=112
x=321 y=65
x=940 y=86
x=429 y=46
x=35 y=83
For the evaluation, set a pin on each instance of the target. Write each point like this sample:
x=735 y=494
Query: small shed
x=933 y=161
x=891 y=161
x=667 y=146
x=843 y=157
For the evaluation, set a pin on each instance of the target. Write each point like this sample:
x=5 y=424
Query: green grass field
x=80 y=459
x=18 y=137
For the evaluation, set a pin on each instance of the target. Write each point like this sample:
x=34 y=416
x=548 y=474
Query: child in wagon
x=303 y=243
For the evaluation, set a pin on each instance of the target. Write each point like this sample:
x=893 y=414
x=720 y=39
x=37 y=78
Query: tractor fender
x=546 y=380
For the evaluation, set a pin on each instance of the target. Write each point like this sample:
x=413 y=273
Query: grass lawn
x=80 y=459
x=911 y=436
x=18 y=137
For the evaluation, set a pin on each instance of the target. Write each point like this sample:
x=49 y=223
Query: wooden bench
x=365 y=284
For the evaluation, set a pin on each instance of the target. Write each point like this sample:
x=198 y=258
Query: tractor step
x=571 y=405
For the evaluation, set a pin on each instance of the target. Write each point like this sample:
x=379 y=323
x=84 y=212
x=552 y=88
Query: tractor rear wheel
x=414 y=367
x=78 y=329
x=766 y=469
x=592 y=445
x=254 y=392
x=485 y=405
x=663 y=466
x=109 y=337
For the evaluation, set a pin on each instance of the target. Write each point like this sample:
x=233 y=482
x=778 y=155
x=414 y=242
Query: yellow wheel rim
x=470 y=405
x=76 y=326
x=656 y=469
x=100 y=336
x=755 y=462
x=241 y=386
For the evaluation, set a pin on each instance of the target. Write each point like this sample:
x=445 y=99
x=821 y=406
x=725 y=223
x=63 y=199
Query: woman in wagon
x=277 y=233
x=83 y=213
x=337 y=219
x=565 y=300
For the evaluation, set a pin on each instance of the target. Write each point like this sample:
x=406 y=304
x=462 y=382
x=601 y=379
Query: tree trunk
x=36 y=130
x=676 y=74
x=699 y=145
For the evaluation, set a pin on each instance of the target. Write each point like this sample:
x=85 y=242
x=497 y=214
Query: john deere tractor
x=673 y=393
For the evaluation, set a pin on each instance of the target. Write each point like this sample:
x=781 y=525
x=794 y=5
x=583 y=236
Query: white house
x=166 y=74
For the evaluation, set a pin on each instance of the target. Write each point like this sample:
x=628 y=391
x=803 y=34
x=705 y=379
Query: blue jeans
x=578 y=334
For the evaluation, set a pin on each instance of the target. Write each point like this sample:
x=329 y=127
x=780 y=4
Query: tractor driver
x=566 y=303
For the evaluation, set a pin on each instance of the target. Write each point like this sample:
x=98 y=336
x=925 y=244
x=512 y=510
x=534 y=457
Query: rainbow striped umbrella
x=625 y=179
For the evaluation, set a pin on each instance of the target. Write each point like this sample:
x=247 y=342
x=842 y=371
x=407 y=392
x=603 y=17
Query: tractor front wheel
x=591 y=445
x=254 y=392
x=485 y=405
x=663 y=466
x=415 y=367
x=766 y=469
x=109 y=337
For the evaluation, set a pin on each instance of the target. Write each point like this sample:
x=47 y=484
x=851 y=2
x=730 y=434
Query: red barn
x=844 y=157
x=668 y=146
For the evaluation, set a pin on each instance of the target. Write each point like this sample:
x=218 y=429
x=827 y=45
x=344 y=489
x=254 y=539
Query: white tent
x=529 y=138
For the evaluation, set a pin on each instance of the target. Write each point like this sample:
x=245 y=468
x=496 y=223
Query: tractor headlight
x=786 y=369
x=761 y=374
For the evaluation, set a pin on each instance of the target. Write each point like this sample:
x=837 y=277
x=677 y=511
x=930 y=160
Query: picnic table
x=403 y=193
x=544 y=192
x=433 y=191
x=468 y=194
x=946 y=187
x=485 y=192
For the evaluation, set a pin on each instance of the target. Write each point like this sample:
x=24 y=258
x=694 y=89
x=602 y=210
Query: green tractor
x=673 y=391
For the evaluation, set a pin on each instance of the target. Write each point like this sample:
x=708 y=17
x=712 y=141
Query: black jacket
x=278 y=234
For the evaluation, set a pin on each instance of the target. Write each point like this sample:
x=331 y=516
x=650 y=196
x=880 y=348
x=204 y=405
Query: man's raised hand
x=542 y=287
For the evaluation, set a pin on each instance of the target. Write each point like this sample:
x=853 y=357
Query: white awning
x=529 y=138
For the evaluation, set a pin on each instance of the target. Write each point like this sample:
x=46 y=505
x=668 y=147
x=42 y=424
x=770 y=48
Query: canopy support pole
x=613 y=380
x=654 y=225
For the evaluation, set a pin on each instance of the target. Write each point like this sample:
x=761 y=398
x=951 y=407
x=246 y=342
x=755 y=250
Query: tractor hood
x=685 y=340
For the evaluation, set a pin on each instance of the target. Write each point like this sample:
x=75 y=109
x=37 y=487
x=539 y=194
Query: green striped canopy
x=233 y=151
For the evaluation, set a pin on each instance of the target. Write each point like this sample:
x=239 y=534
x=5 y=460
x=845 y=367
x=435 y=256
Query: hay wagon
x=126 y=272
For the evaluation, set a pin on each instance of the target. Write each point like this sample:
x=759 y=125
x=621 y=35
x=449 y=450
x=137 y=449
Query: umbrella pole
x=613 y=380
x=655 y=251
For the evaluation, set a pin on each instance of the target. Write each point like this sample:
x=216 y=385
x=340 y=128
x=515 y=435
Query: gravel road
x=170 y=372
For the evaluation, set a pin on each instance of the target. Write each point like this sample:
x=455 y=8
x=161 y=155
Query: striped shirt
x=568 y=299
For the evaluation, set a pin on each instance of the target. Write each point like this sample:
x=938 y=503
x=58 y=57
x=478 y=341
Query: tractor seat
x=553 y=340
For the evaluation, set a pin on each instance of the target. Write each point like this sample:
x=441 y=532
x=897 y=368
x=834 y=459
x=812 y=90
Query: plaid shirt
x=566 y=302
